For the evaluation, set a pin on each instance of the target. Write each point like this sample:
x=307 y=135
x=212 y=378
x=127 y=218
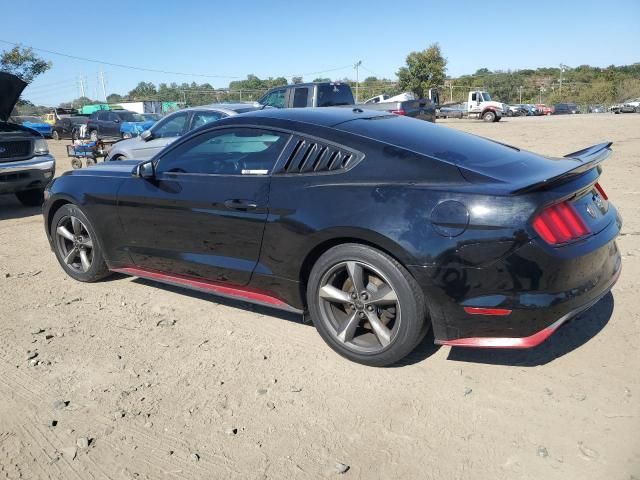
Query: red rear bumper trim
x=504 y=342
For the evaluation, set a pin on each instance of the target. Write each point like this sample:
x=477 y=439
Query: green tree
x=114 y=98
x=23 y=63
x=424 y=70
x=143 y=91
x=296 y=80
x=321 y=79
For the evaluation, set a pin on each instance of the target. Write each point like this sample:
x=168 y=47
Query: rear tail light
x=601 y=192
x=398 y=112
x=560 y=223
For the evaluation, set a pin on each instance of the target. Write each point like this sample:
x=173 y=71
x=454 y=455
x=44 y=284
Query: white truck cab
x=481 y=106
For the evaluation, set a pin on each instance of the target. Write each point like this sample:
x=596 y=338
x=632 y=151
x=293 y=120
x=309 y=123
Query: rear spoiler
x=586 y=160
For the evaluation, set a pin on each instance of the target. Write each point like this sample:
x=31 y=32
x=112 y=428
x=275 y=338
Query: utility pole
x=356 y=66
x=562 y=67
x=540 y=101
x=104 y=90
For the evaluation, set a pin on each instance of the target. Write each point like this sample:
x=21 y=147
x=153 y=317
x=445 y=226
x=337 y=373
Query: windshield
x=334 y=95
x=130 y=117
x=151 y=116
x=486 y=96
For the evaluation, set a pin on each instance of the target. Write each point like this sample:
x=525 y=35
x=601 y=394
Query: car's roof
x=325 y=116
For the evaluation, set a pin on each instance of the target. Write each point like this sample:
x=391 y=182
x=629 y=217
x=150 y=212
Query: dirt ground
x=163 y=383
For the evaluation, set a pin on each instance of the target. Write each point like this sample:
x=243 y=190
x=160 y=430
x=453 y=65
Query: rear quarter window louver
x=306 y=156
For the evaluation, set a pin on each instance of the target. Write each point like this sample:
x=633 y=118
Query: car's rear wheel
x=31 y=198
x=93 y=135
x=76 y=245
x=365 y=305
x=55 y=135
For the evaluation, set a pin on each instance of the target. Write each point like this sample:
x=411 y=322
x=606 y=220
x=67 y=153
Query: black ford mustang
x=378 y=226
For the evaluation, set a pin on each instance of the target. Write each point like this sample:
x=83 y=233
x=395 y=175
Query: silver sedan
x=171 y=127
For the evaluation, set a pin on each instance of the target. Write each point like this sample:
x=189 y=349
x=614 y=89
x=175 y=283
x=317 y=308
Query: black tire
x=489 y=116
x=74 y=135
x=76 y=163
x=117 y=158
x=406 y=329
x=62 y=246
x=93 y=135
x=509 y=113
x=497 y=119
x=31 y=198
x=55 y=135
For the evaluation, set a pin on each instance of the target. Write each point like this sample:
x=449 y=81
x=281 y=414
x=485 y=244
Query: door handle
x=240 y=204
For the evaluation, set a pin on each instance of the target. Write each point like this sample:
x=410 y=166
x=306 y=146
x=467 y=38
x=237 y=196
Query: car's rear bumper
x=27 y=174
x=519 y=301
x=532 y=340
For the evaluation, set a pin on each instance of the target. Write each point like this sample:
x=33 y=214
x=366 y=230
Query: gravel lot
x=137 y=380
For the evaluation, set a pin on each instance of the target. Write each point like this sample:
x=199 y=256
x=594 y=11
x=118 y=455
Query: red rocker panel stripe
x=215 y=288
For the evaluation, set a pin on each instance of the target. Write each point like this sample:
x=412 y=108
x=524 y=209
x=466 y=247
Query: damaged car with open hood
x=26 y=166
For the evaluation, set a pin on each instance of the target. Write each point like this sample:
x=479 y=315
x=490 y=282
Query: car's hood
x=10 y=89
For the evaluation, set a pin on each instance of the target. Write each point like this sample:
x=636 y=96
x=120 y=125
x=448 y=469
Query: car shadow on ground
x=570 y=336
x=567 y=338
x=11 y=208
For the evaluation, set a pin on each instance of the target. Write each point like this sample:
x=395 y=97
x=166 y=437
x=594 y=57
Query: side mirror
x=146 y=135
x=144 y=170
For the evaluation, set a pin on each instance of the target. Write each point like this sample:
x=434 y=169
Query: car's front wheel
x=365 y=305
x=93 y=135
x=488 y=116
x=55 y=135
x=76 y=245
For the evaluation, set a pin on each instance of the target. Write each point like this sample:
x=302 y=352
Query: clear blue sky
x=277 y=37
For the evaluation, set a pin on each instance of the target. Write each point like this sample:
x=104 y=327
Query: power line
x=119 y=65
x=153 y=70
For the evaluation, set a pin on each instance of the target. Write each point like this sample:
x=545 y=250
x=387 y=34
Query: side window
x=102 y=115
x=171 y=126
x=300 y=97
x=230 y=151
x=275 y=99
x=203 y=117
x=474 y=97
x=113 y=117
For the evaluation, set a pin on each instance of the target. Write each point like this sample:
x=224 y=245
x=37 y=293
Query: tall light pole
x=356 y=66
x=562 y=67
x=520 y=88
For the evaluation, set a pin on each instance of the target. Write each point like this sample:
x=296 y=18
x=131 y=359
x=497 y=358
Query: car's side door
x=203 y=212
x=163 y=133
x=112 y=125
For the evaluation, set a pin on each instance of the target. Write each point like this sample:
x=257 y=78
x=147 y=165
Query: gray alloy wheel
x=366 y=305
x=359 y=306
x=93 y=135
x=55 y=135
x=74 y=243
